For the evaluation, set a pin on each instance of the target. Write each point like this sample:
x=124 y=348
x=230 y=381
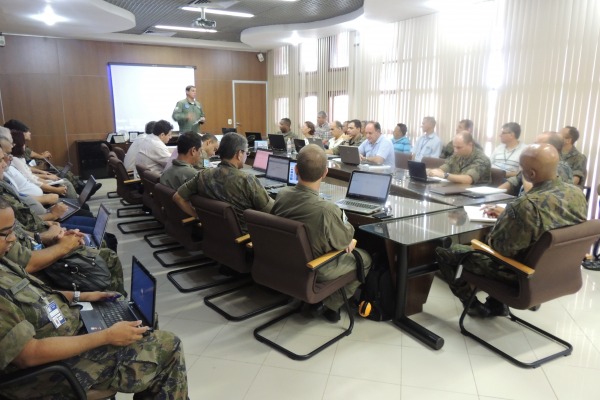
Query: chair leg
x=306 y=356
x=128 y=211
x=145 y=224
x=204 y=285
x=168 y=240
x=568 y=348
x=271 y=306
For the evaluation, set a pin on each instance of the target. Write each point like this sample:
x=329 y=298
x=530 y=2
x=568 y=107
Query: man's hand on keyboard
x=125 y=333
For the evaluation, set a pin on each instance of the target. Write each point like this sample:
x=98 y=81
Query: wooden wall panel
x=59 y=87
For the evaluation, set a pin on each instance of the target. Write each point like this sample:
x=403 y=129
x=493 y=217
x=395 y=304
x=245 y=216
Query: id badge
x=54 y=314
x=206 y=163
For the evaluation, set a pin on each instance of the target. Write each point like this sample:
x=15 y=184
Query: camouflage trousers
x=479 y=264
x=152 y=368
x=345 y=264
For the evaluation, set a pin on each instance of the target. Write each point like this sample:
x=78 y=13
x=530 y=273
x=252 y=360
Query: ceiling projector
x=205 y=23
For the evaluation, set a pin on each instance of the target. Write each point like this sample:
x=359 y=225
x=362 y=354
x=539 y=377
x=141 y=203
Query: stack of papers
x=485 y=190
x=476 y=214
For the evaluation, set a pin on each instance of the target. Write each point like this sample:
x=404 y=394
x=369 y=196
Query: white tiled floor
x=377 y=361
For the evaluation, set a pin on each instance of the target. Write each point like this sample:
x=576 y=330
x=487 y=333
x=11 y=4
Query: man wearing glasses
x=227 y=183
x=506 y=154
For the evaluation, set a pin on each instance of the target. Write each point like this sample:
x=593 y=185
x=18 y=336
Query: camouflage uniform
x=327 y=231
x=563 y=171
x=477 y=165
x=23 y=213
x=20 y=254
x=178 y=174
x=180 y=114
x=447 y=150
x=153 y=367
x=357 y=141
x=229 y=184
x=550 y=205
x=578 y=163
x=288 y=135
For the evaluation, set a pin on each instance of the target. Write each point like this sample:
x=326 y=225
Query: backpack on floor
x=378 y=296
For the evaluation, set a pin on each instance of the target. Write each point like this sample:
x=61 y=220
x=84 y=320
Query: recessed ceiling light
x=218 y=12
x=184 y=28
x=49 y=17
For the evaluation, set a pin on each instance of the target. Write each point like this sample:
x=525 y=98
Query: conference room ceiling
x=275 y=22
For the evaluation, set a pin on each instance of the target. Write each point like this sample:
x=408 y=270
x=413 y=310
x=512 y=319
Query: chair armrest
x=325 y=258
x=25 y=377
x=189 y=220
x=509 y=262
x=242 y=239
x=131 y=181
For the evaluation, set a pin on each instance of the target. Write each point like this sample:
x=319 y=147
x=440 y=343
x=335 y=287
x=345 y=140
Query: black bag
x=82 y=270
x=378 y=296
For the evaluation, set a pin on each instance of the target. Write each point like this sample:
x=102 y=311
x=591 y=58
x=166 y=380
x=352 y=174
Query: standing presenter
x=188 y=112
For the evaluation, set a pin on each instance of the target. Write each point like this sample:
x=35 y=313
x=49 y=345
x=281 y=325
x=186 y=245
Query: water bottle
x=289 y=147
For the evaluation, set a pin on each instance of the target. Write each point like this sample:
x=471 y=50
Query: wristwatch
x=76 y=295
x=446 y=174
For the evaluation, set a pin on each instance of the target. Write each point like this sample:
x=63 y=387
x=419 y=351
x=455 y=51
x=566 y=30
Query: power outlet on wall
x=230 y=121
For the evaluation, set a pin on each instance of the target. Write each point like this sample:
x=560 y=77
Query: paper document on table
x=476 y=214
x=485 y=190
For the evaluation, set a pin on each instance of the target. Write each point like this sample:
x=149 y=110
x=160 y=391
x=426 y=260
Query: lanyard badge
x=54 y=314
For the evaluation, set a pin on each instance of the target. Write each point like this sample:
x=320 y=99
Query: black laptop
x=74 y=205
x=277 y=142
x=94 y=239
x=418 y=172
x=63 y=172
x=299 y=144
x=100 y=315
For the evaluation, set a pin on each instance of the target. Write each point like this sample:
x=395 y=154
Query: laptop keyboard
x=114 y=312
x=359 y=204
x=270 y=184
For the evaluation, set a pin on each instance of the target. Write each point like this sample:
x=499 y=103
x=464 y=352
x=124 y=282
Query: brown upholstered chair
x=28 y=376
x=433 y=162
x=225 y=243
x=498 y=177
x=119 y=152
x=283 y=261
x=551 y=269
x=149 y=180
x=402 y=159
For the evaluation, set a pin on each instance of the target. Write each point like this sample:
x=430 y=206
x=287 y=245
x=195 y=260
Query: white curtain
x=535 y=62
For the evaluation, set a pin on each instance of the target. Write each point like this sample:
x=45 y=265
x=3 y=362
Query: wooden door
x=250 y=107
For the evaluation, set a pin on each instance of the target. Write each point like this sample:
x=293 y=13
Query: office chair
x=283 y=261
x=149 y=180
x=433 y=162
x=551 y=269
x=225 y=243
x=498 y=176
x=402 y=159
x=27 y=376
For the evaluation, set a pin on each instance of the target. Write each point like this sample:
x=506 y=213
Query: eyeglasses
x=10 y=231
x=7 y=157
x=505 y=132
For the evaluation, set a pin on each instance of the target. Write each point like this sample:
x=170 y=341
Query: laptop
x=252 y=137
x=292 y=178
x=95 y=239
x=74 y=205
x=350 y=155
x=299 y=144
x=417 y=171
x=448 y=190
x=277 y=172
x=277 y=142
x=261 y=159
x=62 y=173
x=367 y=192
x=100 y=315
x=317 y=141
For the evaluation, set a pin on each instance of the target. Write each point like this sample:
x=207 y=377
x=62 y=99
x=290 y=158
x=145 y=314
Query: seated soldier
x=188 y=155
x=120 y=358
x=549 y=205
x=467 y=165
x=227 y=183
x=353 y=136
x=326 y=224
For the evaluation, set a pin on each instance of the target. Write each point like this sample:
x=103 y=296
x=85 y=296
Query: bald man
x=467 y=165
x=550 y=204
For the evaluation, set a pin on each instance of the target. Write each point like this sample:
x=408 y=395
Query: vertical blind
x=534 y=62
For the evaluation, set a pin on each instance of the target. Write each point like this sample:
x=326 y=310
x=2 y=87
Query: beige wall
x=60 y=87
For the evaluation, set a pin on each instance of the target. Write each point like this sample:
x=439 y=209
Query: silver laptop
x=94 y=239
x=74 y=205
x=317 y=141
x=292 y=177
x=351 y=155
x=367 y=192
x=259 y=166
x=100 y=315
x=62 y=173
x=277 y=172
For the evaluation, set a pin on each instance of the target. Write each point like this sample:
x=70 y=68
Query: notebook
x=74 y=205
x=259 y=166
x=62 y=173
x=476 y=214
x=277 y=142
x=299 y=144
x=292 y=178
x=100 y=315
x=277 y=172
x=367 y=192
x=418 y=172
x=95 y=239
x=350 y=155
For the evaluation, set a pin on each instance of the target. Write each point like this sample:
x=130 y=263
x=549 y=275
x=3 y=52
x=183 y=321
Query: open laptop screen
x=87 y=190
x=369 y=186
x=261 y=159
x=100 y=227
x=143 y=290
x=292 y=177
x=278 y=168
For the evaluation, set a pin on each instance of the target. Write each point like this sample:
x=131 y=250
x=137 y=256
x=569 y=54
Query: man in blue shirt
x=428 y=145
x=376 y=149
x=400 y=141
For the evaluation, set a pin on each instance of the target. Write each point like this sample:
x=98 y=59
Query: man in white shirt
x=336 y=135
x=506 y=155
x=134 y=148
x=323 y=129
x=153 y=152
x=428 y=145
x=377 y=149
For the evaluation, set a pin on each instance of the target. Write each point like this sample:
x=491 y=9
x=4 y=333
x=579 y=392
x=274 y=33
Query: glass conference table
x=410 y=233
